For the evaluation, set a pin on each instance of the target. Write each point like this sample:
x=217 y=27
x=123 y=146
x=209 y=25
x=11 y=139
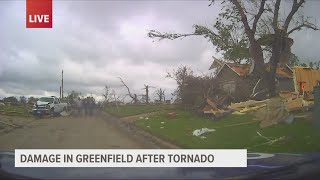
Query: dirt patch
x=10 y=123
x=85 y=132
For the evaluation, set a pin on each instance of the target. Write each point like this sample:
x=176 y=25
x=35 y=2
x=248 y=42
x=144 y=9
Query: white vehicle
x=49 y=105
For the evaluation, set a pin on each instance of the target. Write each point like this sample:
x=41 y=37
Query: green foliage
x=15 y=110
x=72 y=96
x=11 y=99
x=180 y=75
x=226 y=35
x=23 y=100
x=192 y=87
x=294 y=60
x=32 y=100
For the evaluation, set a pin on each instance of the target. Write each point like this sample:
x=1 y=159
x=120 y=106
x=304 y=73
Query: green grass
x=130 y=110
x=13 y=110
x=301 y=135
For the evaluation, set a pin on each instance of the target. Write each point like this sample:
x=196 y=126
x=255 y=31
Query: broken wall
x=308 y=76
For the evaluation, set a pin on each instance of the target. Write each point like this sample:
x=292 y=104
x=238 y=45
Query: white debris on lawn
x=199 y=132
x=146 y=118
x=162 y=122
x=140 y=117
x=148 y=126
x=64 y=113
x=161 y=127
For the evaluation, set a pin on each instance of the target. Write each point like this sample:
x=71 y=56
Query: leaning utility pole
x=62 y=85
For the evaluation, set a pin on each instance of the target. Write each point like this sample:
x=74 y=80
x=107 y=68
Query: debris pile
x=216 y=110
x=268 y=112
x=274 y=112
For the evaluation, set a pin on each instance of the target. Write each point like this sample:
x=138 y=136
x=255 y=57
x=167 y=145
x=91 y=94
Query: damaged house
x=234 y=79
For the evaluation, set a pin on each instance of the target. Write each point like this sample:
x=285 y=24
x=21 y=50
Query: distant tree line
x=22 y=100
x=295 y=61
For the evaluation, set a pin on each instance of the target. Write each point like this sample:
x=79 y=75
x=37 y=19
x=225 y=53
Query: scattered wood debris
x=213 y=110
x=172 y=115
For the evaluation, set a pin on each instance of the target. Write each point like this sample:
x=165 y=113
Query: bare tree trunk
x=277 y=52
x=257 y=56
x=134 y=98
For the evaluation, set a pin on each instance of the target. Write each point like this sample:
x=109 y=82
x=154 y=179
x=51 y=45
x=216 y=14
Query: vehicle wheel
x=52 y=112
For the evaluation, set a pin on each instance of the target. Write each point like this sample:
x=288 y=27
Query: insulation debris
x=202 y=131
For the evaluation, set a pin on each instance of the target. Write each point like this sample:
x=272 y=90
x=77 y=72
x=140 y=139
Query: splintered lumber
x=212 y=104
x=249 y=109
x=286 y=94
x=295 y=104
x=250 y=103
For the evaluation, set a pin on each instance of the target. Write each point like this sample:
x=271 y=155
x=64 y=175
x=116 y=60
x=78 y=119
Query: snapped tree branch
x=295 y=6
x=306 y=25
x=257 y=17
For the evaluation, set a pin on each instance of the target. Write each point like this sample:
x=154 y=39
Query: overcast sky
x=95 y=42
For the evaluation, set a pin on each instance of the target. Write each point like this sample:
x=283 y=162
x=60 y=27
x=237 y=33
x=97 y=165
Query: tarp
x=307 y=77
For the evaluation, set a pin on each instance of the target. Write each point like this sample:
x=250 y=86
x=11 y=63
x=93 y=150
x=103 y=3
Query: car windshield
x=46 y=99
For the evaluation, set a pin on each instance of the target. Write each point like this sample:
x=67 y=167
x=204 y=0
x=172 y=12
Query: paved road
x=67 y=132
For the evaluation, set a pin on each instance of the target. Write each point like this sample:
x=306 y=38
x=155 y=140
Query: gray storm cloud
x=97 y=41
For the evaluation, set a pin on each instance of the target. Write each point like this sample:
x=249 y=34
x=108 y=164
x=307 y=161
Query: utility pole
x=146 y=87
x=60 y=92
x=62 y=85
x=147 y=94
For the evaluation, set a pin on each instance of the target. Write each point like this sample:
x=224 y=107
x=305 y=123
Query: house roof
x=240 y=69
x=244 y=69
x=216 y=63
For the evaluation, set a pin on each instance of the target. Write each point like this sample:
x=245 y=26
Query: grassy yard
x=300 y=136
x=14 y=110
x=130 y=110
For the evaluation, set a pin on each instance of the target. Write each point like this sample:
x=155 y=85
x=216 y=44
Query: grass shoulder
x=233 y=132
x=132 y=109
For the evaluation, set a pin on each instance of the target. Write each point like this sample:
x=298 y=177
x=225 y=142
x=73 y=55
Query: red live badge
x=39 y=13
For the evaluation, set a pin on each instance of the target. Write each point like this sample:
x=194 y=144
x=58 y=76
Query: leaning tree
x=254 y=31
